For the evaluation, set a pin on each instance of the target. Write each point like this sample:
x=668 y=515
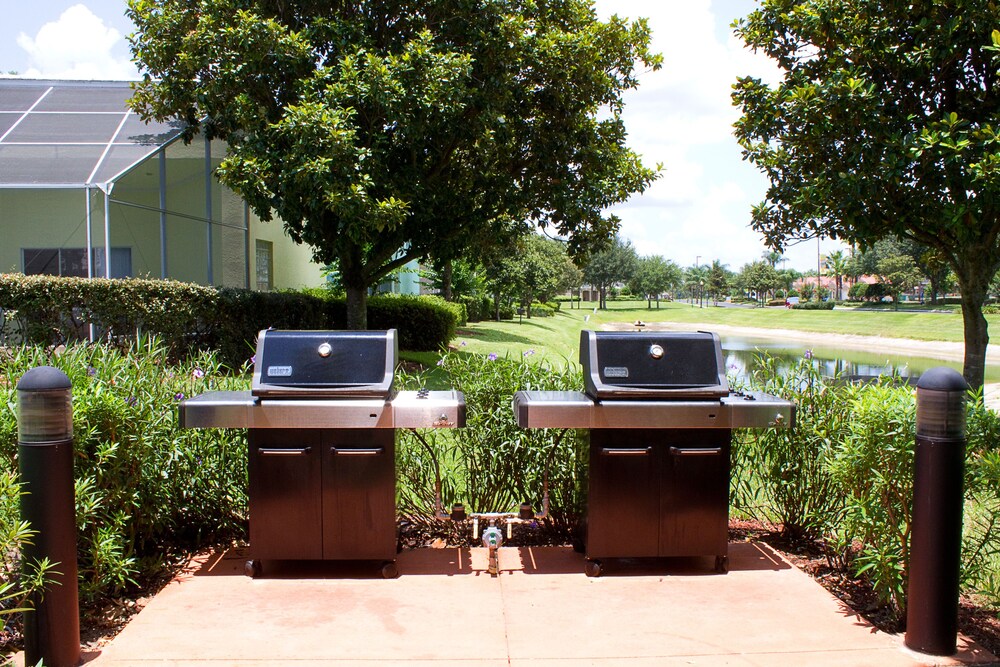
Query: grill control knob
x=656 y=351
x=324 y=350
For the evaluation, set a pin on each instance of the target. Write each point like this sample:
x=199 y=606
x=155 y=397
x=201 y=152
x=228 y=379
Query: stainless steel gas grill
x=660 y=415
x=321 y=418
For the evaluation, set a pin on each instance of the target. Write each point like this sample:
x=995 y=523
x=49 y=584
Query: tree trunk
x=496 y=305
x=602 y=302
x=446 y=274
x=353 y=277
x=977 y=335
x=357 y=307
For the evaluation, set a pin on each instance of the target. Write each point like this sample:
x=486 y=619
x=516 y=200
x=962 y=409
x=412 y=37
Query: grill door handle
x=625 y=451
x=695 y=451
x=284 y=452
x=373 y=451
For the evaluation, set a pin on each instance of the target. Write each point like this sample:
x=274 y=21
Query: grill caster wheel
x=252 y=568
x=592 y=568
x=722 y=564
x=389 y=571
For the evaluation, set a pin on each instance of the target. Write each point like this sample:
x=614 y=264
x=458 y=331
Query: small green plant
x=792 y=487
x=492 y=464
x=145 y=488
x=873 y=470
x=981 y=547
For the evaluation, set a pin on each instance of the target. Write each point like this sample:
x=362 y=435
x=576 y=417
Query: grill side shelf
x=569 y=409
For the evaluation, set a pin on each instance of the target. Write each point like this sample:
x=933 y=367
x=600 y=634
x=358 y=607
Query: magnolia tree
x=885 y=122
x=381 y=131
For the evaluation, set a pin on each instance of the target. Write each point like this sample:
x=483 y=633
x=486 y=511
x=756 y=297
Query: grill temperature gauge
x=324 y=350
x=656 y=351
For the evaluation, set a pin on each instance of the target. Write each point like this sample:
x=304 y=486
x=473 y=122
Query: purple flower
x=492 y=356
x=91 y=371
x=132 y=400
x=463 y=344
x=529 y=353
x=179 y=396
x=808 y=354
x=197 y=374
x=253 y=359
x=440 y=362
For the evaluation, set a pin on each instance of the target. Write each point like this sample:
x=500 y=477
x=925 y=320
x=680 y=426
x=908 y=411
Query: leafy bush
x=873 y=470
x=144 y=487
x=844 y=475
x=865 y=292
x=492 y=464
x=425 y=323
x=542 y=310
x=786 y=480
x=48 y=310
x=815 y=305
x=477 y=308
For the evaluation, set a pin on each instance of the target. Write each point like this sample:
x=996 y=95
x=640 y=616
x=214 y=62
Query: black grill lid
x=652 y=364
x=323 y=364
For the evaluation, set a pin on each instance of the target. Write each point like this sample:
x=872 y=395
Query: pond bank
x=943 y=350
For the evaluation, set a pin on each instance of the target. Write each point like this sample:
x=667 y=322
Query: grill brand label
x=616 y=371
x=279 y=371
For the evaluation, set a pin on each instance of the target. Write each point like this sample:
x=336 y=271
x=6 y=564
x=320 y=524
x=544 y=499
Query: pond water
x=740 y=353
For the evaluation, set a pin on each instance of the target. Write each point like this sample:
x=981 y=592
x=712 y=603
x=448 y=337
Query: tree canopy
x=653 y=276
x=614 y=264
x=886 y=121
x=381 y=131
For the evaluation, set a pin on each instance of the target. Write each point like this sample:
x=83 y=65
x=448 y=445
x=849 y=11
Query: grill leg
x=592 y=568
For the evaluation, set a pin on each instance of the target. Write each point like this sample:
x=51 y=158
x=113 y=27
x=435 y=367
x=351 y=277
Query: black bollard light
x=936 y=529
x=45 y=465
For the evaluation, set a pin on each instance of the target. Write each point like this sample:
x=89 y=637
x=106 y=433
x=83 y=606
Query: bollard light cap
x=44 y=378
x=44 y=407
x=942 y=378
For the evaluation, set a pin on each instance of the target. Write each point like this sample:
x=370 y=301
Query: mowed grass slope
x=557 y=338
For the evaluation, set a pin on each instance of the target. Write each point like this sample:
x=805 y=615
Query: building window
x=265 y=265
x=73 y=262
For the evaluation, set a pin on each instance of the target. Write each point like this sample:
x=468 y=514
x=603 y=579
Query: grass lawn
x=557 y=338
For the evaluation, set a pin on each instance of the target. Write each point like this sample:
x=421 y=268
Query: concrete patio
x=541 y=611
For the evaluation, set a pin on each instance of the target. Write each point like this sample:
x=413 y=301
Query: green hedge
x=866 y=292
x=815 y=305
x=477 y=308
x=50 y=310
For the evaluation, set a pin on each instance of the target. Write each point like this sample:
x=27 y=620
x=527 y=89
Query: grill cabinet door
x=694 y=511
x=623 y=502
x=359 y=494
x=285 y=510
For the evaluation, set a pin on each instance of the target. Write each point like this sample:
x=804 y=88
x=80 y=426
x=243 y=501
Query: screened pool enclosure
x=87 y=189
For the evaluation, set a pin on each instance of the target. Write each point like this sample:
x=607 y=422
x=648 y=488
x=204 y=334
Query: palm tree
x=836 y=264
x=772 y=257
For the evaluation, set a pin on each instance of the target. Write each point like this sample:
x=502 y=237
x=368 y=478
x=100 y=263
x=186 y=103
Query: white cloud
x=77 y=45
x=682 y=116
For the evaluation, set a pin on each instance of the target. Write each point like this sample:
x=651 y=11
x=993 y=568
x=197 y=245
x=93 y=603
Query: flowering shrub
x=144 y=487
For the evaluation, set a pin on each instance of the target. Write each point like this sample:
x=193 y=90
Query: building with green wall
x=79 y=171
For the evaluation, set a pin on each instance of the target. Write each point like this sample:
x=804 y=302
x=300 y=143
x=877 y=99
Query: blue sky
x=681 y=116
